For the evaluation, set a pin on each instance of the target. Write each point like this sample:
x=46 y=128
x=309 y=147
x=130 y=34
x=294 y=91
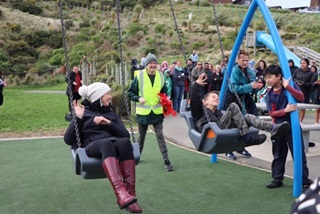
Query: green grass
x=26 y=111
x=37 y=176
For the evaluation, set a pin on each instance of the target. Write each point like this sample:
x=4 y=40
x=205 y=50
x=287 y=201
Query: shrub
x=57 y=58
x=135 y=17
x=40 y=37
x=196 y=45
x=4 y=61
x=28 y=6
x=138 y=8
x=160 y=29
x=289 y=36
x=20 y=48
x=149 y=49
x=133 y=28
x=315 y=45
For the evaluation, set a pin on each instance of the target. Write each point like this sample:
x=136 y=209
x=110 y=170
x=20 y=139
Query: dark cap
x=290 y=60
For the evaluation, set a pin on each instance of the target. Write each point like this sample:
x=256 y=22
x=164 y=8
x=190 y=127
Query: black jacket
x=89 y=131
x=197 y=111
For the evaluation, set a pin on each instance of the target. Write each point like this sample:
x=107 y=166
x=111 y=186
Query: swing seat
x=212 y=139
x=91 y=168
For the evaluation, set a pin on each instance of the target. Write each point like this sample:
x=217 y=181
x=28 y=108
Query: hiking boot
x=168 y=166
x=253 y=139
x=279 y=130
x=231 y=156
x=275 y=183
x=245 y=153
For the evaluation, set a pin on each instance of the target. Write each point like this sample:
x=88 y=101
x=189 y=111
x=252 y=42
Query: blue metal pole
x=296 y=134
x=236 y=48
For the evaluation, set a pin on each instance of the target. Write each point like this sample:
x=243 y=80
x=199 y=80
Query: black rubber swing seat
x=212 y=139
x=91 y=168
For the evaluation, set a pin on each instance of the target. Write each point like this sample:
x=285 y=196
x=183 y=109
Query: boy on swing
x=232 y=118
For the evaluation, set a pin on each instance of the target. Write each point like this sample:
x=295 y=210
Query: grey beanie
x=151 y=58
x=94 y=91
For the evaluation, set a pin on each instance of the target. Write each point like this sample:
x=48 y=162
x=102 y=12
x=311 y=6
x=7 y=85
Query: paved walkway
x=175 y=130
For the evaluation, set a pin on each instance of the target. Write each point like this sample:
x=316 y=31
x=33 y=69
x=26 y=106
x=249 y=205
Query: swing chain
x=124 y=94
x=233 y=90
x=65 y=47
x=183 y=50
x=222 y=52
x=218 y=28
x=177 y=30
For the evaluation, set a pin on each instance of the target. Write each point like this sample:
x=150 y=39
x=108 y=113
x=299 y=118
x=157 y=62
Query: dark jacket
x=197 y=111
x=133 y=94
x=216 y=82
x=89 y=131
x=293 y=68
x=304 y=78
x=73 y=79
x=178 y=77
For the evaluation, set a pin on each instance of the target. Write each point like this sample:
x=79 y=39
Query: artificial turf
x=37 y=176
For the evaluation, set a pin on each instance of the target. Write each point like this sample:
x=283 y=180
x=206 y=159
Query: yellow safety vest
x=149 y=93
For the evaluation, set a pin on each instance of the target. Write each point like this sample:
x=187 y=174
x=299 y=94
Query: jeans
x=178 y=94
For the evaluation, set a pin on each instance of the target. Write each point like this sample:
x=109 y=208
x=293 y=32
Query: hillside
x=32 y=43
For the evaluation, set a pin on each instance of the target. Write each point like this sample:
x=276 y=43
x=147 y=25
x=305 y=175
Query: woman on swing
x=104 y=136
x=232 y=118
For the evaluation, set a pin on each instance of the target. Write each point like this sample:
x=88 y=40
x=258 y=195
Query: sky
x=288 y=3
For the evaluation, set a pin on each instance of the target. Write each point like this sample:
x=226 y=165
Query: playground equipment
x=279 y=50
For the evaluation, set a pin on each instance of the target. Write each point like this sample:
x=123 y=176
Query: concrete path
x=175 y=130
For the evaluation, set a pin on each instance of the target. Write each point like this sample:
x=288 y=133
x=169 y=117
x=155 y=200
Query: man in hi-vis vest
x=144 y=90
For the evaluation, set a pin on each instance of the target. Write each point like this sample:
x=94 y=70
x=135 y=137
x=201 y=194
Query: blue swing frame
x=296 y=134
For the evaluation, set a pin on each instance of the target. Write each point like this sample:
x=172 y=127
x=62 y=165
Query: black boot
x=129 y=177
x=112 y=170
x=251 y=139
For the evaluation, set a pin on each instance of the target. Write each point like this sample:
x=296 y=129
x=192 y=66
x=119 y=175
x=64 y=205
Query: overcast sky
x=288 y=3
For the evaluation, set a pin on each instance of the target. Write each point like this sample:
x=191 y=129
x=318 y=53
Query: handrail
x=304 y=52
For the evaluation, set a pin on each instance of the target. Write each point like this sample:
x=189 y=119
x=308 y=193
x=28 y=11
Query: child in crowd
x=232 y=118
x=168 y=81
x=279 y=109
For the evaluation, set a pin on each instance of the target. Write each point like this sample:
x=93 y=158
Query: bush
x=133 y=28
x=149 y=49
x=138 y=8
x=20 y=48
x=28 y=6
x=198 y=44
x=40 y=37
x=4 y=61
x=289 y=36
x=160 y=29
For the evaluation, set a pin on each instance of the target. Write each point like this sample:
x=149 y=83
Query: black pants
x=280 y=151
x=119 y=148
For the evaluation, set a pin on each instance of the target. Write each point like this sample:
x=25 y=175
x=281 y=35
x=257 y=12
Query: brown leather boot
x=129 y=177
x=112 y=170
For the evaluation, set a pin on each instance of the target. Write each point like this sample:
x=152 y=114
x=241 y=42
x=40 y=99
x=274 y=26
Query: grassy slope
x=161 y=14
